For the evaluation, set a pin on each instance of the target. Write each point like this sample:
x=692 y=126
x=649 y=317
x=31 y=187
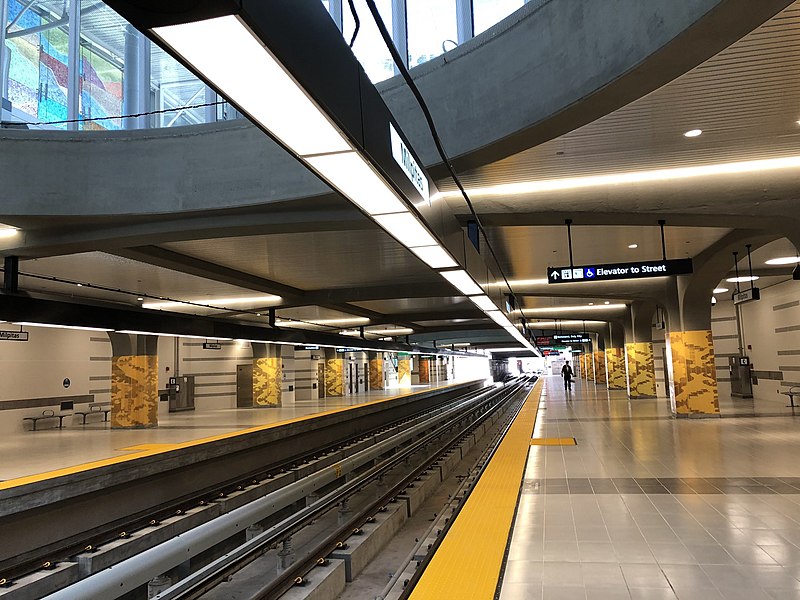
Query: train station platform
x=592 y=495
x=34 y=456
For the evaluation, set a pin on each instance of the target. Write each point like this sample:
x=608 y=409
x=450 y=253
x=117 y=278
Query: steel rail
x=127 y=575
x=295 y=574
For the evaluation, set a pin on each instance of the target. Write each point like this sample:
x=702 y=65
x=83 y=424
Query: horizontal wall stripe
x=776 y=375
x=726 y=354
x=217 y=358
x=723 y=378
x=100 y=358
x=787 y=329
x=790 y=383
x=216 y=395
x=789 y=368
x=725 y=337
x=722 y=319
x=788 y=352
x=217 y=374
x=787 y=305
x=101 y=391
x=220 y=384
x=44 y=402
x=200 y=344
x=100 y=378
x=106 y=340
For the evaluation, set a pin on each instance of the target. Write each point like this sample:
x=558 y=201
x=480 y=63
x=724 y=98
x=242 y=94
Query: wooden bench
x=95 y=408
x=48 y=414
x=793 y=391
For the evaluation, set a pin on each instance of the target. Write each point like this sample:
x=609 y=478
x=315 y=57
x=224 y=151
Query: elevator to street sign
x=630 y=270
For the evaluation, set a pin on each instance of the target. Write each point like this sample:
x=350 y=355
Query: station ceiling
x=339 y=276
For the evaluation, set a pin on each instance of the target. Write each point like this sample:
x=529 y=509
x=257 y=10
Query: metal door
x=244 y=386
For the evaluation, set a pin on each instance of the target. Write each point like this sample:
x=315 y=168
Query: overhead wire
x=401 y=67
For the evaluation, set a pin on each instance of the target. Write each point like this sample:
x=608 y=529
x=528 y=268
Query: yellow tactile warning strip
x=469 y=560
x=144 y=450
x=554 y=442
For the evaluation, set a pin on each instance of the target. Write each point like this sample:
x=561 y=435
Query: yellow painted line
x=554 y=442
x=468 y=562
x=153 y=449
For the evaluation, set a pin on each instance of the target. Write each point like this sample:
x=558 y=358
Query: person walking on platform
x=566 y=373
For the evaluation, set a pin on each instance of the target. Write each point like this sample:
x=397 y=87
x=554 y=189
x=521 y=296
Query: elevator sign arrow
x=607 y=272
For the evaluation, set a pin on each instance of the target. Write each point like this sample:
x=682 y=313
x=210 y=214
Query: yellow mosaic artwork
x=600 y=367
x=615 y=359
x=641 y=370
x=694 y=380
x=404 y=372
x=424 y=371
x=134 y=392
x=334 y=377
x=376 y=373
x=267 y=377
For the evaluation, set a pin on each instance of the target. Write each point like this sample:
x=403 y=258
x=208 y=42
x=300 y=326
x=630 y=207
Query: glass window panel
x=38 y=45
x=173 y=88
x=488 y=12
x=102 y=72
x=369 y=48
x=431 y=29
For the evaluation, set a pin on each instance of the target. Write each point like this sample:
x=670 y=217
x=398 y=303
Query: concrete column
x=615 y=357
x=267 y=375
x=639 y=355
x=600 y=377
x=424 y=370
x=134 y=381
x=404 y=371
x=376 y=370
x=334 y=373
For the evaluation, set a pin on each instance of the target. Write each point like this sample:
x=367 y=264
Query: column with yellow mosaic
x=615 y=359
x=590 y=366
x=641 y=370
x=134 y=392
x=375 y=370
x=334 y=376
x=600 y=367
x=424 y=370
x=404 y=372
x=267 y=379
x=693 y=389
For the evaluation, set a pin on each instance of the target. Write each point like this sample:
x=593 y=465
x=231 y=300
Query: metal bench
x=793 y=391
x=48 y=414
x=95 y=408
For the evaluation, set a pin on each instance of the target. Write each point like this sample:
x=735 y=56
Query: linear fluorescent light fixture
x=557 y=309
x=8 y=232
x=483 y=302
x=742 y=279
x=54 y=326
x=435 y=257
x=315 y=322
x=213 y=303
x=633 y=177
x=784 y=260
x=499 y=318
x=406 y=229
x=462 y=281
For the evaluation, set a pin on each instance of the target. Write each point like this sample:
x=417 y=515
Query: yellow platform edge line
x=554 y=442
x=470 y=558
x=155 y=449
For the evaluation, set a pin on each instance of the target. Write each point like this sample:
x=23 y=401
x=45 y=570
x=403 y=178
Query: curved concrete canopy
x=541 y=72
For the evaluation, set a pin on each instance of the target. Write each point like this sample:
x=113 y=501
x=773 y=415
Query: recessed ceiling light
x=606 y=302
x=741 y=279
x=693 y=133
x=591 y=303
x=140 y=299
x=633 y=246
x=721 y=290
x=784 y=260
x=80 y=285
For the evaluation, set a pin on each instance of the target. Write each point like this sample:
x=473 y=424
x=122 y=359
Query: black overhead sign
x=633 y=270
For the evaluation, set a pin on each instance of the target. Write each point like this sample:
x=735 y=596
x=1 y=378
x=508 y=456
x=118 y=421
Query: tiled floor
x=32 y=452
x=646 y=506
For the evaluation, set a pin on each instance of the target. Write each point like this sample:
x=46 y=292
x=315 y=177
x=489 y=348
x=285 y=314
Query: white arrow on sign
x=554 y=275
